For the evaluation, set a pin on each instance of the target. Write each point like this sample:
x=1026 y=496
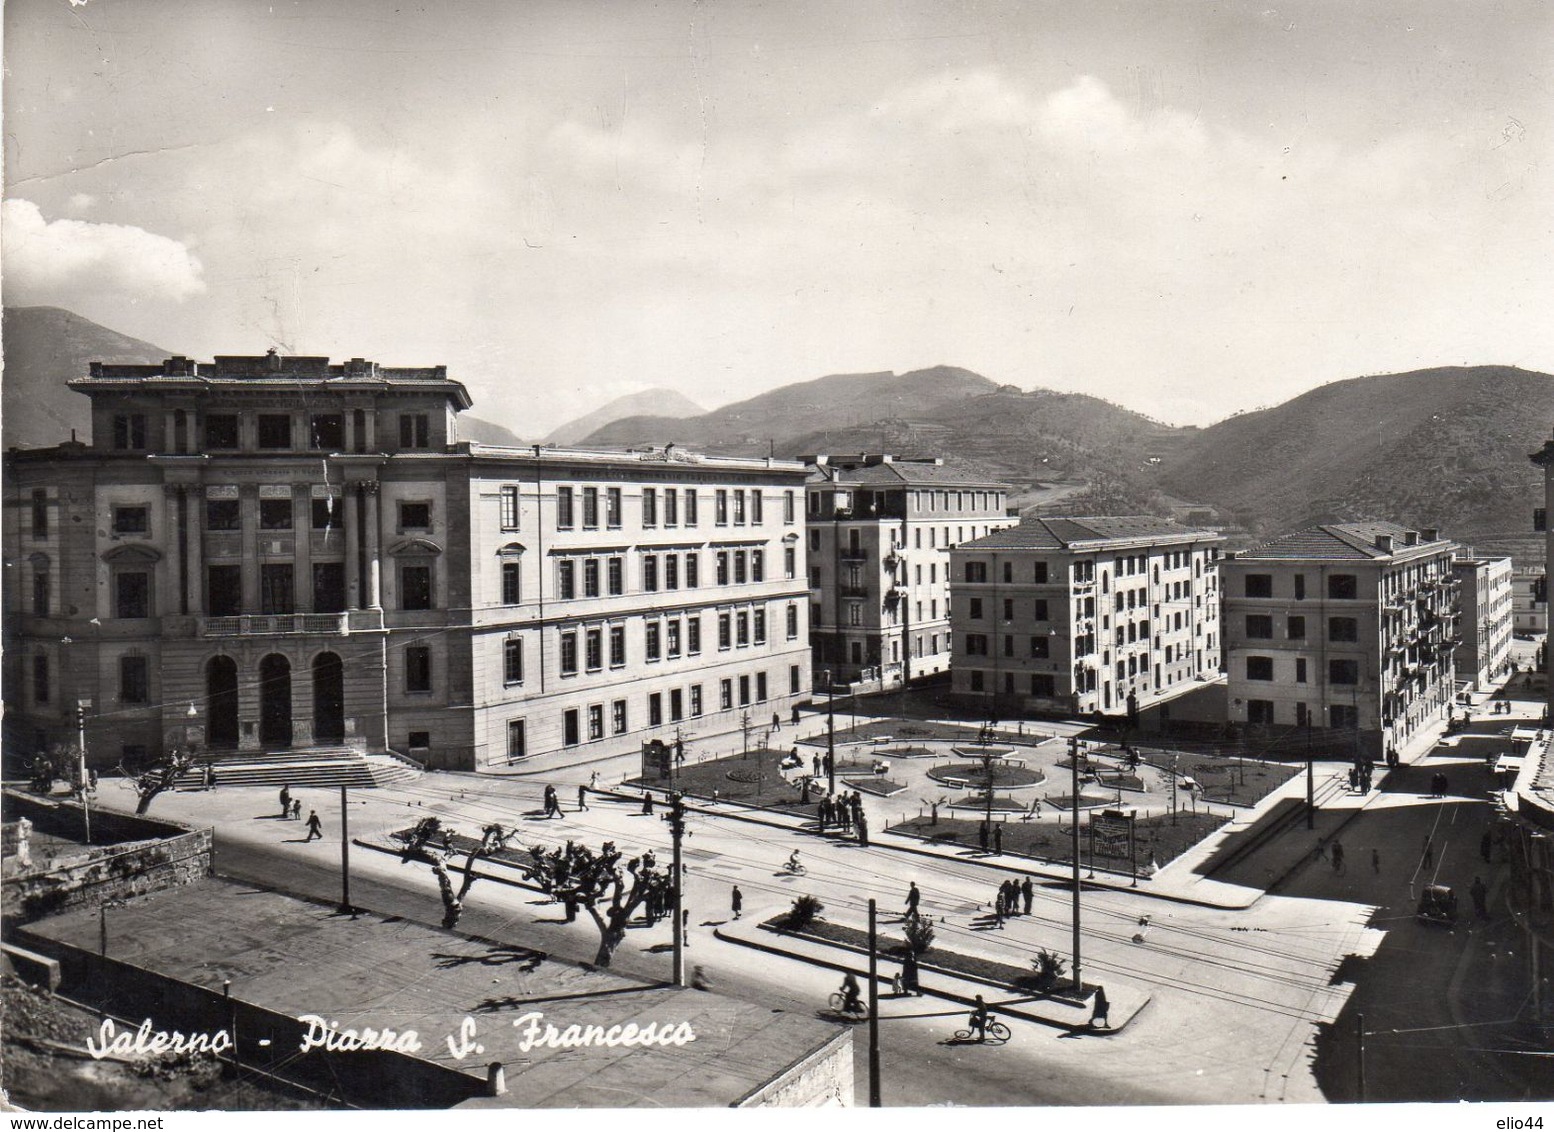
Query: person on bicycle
x=851 y=1003
x=978 y=1019
x=794 y=865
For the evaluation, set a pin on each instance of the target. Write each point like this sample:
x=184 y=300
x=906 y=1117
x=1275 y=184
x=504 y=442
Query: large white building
x=1484 y=622
x=1085 y=614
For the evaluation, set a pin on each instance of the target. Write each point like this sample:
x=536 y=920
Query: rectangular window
x=692 y=561
x=676 y=705
x=671 y=507
x=512 y=661
x=1343 y=587
x=40 y=679
x=414 y=430
x=40 y=593
x=1343 y=672
x=788 y=512
x=793 y=621
x=134 y=680
x=40 y=513
x=131 y=520
x=1300 y=670
x=671 y=571
x=325 y=512
x=1343 y=716
x=739 y=567
x=725 y=631
x=418 y=668
x=564 y=508
x=566 y=579
x=976 y=572
x=720 y=508
x=742 y=628
x=725 y=694
x=569 y=654
x=276 y=592
x=974 y=608
x=755 y=508
x=1296 y=628
x=274 y=430
x=590 y=508
x=760 y=687
x=326 y=431
x=650 y=573
x=415 y=587
x=129 y=431
x=1259 y=585
x=793 y=678
x=616 y=575
x=654 y=649
x=593 y=649
x=739 y=506
x=595 y=721
x=1040 y=648
x=693 y=635
x=512 y=583
x=275 y=514
x=650 y=507
x=617 y=645
x=690 y=507
x=224 y=590
x=415 y=516
x=744 y=690
x=1259 y=668
x=132 y=594
x=1040 y=611
x=758 y=566
x=223 y=515
x=695 y=700
x=656 y=709
x=570 y=735
x=790 y=560
x=221 y=431
x=1259 y=627
x=618 y=717
x=672 y=639
x=1343 y=629
x=509 y=508
x=590 y=577
x=1300 y=587
x=760 y=626
x=612 y=508
x=517 y=742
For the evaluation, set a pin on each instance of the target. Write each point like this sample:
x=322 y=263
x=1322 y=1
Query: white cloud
x=60 y=261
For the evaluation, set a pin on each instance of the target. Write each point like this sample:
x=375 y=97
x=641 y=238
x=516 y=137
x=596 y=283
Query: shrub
x=804 y=910
x=1050 y=967
x=919 y=933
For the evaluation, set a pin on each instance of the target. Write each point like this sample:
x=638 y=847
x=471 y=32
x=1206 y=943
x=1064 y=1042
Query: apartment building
x=880 y=530
x=275 y=552
x=1484 y=622
x=1529 y=601
x=1345 y=626
x=1085 y=615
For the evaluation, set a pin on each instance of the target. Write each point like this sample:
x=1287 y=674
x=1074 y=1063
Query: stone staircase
x=308 y=766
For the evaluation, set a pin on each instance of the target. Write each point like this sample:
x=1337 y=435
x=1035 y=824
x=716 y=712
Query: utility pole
x=874 y=1012
x=1073 y=761
x=82 y=706
x=345 y=854
x=744 y=728
x=1311 y=787
x=676 y=820
x=1359 y=1054
x=830 y=735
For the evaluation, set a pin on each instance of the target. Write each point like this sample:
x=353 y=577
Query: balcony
x=852 y=591
x=847 y=555
x=288 y=624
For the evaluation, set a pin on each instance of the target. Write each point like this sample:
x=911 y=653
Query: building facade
x=1529 y=601
x=880 y=530
x=1085 y=615
x=1483 y=620
x=274 y=552
x=1347 y=627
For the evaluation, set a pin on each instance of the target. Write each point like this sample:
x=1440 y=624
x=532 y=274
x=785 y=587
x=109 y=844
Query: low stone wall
x=819 y=1079
x=142 y=856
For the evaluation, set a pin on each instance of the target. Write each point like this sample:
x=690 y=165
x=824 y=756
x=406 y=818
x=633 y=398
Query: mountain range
x=1440 y=447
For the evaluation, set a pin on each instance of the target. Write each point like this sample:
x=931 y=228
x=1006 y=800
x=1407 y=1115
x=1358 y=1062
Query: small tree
x=432 y=844
x=159 y=776
x=803 y=913
x=62 y=761
x=577 y=876
x=1049 y=968
x=918 y=930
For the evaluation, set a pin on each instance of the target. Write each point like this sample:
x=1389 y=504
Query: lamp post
x=82 y=707
x=830 y=735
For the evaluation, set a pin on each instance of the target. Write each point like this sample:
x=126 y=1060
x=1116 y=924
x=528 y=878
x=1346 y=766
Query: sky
x=1189 y=209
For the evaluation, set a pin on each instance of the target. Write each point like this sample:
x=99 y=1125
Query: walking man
x=286 y=804
x=315 y=827
x=982 y=835
x=776 y=722
x=817 y=764
x=1102 y=1010
x=582 y=798
x=1376 y=861
x=1027 y=893
x=913 y=896
x=1480 y=898
x=1338 y=856
x=998 y=838
x=738 y=902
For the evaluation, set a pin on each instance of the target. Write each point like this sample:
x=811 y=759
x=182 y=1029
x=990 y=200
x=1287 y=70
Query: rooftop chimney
x=1410 y=538
x=1431 y=534
x=1384 y=543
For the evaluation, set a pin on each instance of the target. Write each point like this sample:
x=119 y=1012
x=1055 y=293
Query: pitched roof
x=1065 y=533
x=897 y=474
x=1343 y=542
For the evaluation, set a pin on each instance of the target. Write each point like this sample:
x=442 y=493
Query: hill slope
x=44 y=348
x=660 y=403
x=1438 y=447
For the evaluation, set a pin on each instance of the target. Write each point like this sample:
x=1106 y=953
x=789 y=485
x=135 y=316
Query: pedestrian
x=1427 y=857
x=1445 y=785
x=647 y=804
x=552 y=804
x=685 y=926
x=1028 y=893
x=827 y=763
x=582 y=798
x=982 y=835
x=737 y=901
x=296 y=809
x=998 y=838
x=804 y=801
x=1011 y=898
x=1480 y=898
x=816 y=763
x=776 y=722
x=909 y=974
x=1354 y=778
x=286 y=802
x=1338 y=856
x=795 y=716
x=863 y=830
x=315 y=827
x=1376 y=861
x=1102 y=1009
x=998 y=908
x=593 y=781
x=210 y=776
x=913 y=897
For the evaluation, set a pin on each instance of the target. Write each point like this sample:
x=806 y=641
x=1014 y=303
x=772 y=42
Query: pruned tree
x=578 y=877
x=431 y=843
x=919 y=932
x=160 y=776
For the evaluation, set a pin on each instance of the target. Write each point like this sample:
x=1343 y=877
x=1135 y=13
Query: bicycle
x=838 y=1004
x=996 y=1032
x=794 y=867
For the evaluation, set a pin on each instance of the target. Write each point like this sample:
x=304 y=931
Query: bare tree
x=577 y=876
x=159 y=776
x=433 y=844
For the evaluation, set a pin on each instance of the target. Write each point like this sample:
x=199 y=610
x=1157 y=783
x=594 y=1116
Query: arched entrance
x=221 y=702
x=274 y=701
x=328 y=698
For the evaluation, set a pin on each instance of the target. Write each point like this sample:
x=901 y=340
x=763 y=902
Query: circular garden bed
x=974 y=774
